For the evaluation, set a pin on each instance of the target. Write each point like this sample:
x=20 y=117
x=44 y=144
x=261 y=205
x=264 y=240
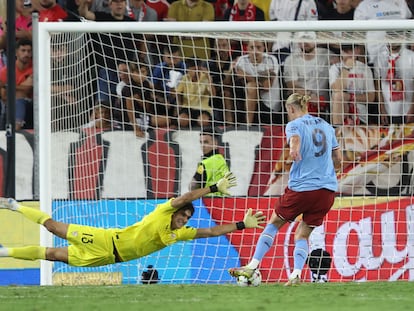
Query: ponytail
x=300 y=101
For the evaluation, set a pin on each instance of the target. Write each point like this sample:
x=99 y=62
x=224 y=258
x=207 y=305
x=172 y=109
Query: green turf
x=375 y=296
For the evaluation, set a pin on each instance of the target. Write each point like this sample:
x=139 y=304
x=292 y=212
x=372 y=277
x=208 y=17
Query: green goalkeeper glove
x=228 y=181
x=254 y=221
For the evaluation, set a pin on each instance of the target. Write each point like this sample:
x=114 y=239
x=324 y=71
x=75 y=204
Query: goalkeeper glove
x=228 y=181
x=254 y=221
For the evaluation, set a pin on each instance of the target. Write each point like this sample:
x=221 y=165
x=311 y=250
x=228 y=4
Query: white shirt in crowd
x=285 y=10
x=269 y=63
x=309 y=74
x=380 y=10
x=360 y=80
x=404 y=74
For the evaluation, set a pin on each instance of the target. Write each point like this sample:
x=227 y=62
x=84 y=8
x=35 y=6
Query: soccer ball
x=254 y=280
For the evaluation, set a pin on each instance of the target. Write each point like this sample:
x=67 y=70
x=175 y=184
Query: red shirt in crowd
x=54 y=14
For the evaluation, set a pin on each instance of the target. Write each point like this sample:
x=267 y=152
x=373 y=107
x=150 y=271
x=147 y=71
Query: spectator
x=306 y=72
x=258 y=73
x=110 y=49
x=337 y=10
x=72 y=8
x=410 y=4
x=3 y=40
x=140 y=106
x=396 y=72
x=264 y=5
x=50 y=11
x=380 y=10
x=213 y=165
x=142 y=12
x=192 y=11
x=23 y=25
x=377 y=47
x=23 y=21
x=244 y=10
x=289 y=11
x=124 y=78
x=355 y=3
x=220 y=72
x=194 y=94
x=220 y=8
x=352 y=86
x=24 y=84
x=172 y=63
x=164 y=111
x=70 y=5
x=101 y=6
x=101 y=118
x=160 y=6
x=137 y=98
x=68 y=111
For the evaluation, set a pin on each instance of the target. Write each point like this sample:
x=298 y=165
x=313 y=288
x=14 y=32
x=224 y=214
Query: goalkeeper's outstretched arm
x=249 y=221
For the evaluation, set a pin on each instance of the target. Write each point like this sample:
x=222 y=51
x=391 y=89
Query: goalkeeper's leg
x=57 y=228
x=25 y=253
x=35 y=252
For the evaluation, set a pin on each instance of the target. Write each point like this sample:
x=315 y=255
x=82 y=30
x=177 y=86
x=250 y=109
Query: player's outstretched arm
x=249 y=221
x=228 y=181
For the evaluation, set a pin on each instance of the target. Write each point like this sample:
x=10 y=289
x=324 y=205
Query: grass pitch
x=375 y=296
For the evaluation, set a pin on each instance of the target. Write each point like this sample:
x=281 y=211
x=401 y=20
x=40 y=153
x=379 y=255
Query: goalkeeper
x=91 y=246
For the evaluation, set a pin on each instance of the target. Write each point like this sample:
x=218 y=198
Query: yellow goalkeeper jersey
x=150 y=234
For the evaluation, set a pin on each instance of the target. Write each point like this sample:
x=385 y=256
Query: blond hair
x=298 y=100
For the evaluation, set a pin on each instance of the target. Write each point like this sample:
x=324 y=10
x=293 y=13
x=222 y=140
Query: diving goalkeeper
x=91 y=246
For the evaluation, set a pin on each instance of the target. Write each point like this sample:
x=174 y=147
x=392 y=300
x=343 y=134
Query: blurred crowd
x=145 y=81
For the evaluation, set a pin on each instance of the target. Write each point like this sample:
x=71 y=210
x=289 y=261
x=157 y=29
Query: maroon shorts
x=314 y=205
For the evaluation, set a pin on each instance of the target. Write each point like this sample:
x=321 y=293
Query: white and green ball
x=254 y=280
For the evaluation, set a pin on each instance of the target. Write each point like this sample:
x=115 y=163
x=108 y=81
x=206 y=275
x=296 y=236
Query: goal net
x=121 y=107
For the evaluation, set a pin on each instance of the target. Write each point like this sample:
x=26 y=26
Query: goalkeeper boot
x=4 y=252
x=295 y=281
x=8 y=203
x=242 y=271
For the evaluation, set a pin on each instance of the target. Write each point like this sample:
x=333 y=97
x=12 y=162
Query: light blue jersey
x=317 y=140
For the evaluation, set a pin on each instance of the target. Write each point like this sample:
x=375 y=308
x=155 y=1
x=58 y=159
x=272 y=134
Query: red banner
x=368 y=241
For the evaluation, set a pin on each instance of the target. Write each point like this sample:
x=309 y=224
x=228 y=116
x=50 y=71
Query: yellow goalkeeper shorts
x=89 y=246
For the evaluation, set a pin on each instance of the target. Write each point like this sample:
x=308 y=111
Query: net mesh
x=127 y=111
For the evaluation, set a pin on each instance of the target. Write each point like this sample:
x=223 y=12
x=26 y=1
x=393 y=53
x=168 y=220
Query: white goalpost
x=109 y=152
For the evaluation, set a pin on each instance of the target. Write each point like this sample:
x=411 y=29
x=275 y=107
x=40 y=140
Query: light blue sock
x=265 y=241
x=300 y=254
